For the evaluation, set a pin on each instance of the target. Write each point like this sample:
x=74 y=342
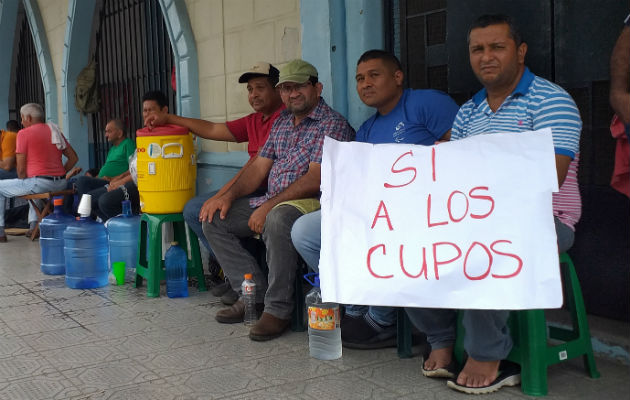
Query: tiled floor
x=115 y=343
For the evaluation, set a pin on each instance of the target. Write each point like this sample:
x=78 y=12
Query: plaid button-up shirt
x=293 y=148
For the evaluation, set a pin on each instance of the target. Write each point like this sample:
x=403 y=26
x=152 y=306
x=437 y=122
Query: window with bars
x=423 y=42
x=26 y=79
x=134 y=56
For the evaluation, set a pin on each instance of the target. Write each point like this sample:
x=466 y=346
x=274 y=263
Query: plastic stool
x=151 y=266
x=529 y=333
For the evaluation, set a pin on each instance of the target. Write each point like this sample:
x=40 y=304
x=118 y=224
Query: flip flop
x=509 y=375
x=443 y=372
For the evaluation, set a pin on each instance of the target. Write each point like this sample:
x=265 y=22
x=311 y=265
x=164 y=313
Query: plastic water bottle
x=51 y=239
x=324 y=333
x=175 y=262
x=86 y=250
x=123 y=231
x=248 y=289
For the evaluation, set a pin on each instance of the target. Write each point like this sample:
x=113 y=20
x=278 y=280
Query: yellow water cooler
x=167 y=168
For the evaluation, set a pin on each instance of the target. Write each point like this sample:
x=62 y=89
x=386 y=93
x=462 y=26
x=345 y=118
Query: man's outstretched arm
x=200 y=127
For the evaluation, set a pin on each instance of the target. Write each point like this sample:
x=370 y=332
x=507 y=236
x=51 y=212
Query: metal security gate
x=26 y=79
x=423 y=42
x=134 y=56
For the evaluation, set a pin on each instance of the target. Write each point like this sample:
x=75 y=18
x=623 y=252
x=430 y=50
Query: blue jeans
x=191 y=216
x=19 y=187
x=306 y=236
x=487 y=335
x=11 y=174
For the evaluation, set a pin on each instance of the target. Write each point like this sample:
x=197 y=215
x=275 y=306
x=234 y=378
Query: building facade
x=211 y=42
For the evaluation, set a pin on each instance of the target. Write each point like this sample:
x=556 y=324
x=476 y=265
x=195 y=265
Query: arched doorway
x=26 y=80
x=131 y=46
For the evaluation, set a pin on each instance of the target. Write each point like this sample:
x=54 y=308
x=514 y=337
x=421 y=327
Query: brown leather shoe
x=235 y=313
x=3 y=239
x=268 y=327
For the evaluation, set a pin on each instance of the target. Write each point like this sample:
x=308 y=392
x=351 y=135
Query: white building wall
x=232 y=35
x=54 y=15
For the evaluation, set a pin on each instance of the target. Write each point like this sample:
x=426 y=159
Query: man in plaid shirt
x=292 y=159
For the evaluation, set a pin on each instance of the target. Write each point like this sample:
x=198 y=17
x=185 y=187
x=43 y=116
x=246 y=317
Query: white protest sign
x=464 y=224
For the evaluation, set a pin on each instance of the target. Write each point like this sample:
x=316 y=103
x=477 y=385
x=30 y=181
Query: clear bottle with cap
x=248 y=290
x=51 y=239
x=324 y=332
x=175 y=263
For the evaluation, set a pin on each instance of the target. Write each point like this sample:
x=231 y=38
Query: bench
x=46 y=208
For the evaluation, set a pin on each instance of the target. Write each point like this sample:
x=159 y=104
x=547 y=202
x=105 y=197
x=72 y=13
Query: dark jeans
x=92 y=186
x=11 y=174
x=109 y=204
x=191 y=216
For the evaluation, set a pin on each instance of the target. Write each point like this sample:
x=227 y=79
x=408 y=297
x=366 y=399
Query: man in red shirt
x=254 y=128
x=38 y=159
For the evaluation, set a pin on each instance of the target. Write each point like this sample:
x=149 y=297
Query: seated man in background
x=38 y=157
x=7 y=150
x=402 y=116
x=116 y=163
x=254 y=128
x=291 y=158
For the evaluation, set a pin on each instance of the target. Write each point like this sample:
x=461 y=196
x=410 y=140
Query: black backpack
x=86 y=95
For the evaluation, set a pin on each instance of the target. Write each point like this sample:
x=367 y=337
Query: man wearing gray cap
x=254 y=128
x=292 y=158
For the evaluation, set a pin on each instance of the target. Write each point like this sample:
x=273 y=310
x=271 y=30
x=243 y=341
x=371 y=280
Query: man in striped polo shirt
x=513 y=100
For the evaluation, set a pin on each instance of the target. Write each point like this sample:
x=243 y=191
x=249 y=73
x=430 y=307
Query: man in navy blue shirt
x=402 y=116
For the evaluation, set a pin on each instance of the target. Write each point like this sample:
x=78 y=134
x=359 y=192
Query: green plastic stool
x=151 y=266
x=529 y=333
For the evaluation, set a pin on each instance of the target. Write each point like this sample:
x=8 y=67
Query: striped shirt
x=293 y=148
x=534 y=104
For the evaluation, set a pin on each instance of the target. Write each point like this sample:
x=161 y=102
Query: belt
x=51 y=178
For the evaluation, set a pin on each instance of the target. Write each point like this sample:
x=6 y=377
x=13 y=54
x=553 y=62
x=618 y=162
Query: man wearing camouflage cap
x=292 y=159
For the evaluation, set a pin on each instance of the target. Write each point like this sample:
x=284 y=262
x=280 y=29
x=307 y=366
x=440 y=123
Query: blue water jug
x=175 y=263
x=51 y=239
x=85 y=249
x=123 y=231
